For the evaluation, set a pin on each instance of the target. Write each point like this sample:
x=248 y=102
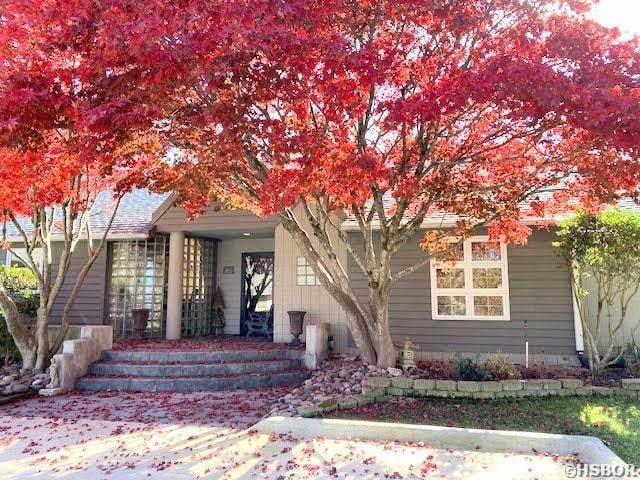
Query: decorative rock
x=511 y=385
x=464 y=386
x=394 y=372
x=6 y=380
x=631 y=383
x=6 y=391
x=424 y=384
x=347 y=402
x=490 y=386
x=446 y=385
x=362 y=400
x=401 y=382
x=571 y=383
x=506 y=394
x=378 y=382
x=604 y=391
x=309 y=412
x=534 y=384
x=19 y=388
x=482 y=395
x=551 y=384
x=373 y=391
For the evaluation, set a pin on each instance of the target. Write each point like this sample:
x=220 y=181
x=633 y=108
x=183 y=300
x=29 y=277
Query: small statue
x=53 y=375
x=407 y=355
x=218 y=312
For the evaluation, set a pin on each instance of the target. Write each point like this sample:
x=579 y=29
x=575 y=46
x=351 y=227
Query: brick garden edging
x=381 y=389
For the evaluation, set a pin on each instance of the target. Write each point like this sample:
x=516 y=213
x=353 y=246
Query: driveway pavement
x=209 y=435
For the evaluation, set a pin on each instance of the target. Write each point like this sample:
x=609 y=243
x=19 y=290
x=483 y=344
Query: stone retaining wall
x=406 y=387
x=381 y=389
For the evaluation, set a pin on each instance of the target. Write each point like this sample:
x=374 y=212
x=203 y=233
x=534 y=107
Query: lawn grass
x=616 y=421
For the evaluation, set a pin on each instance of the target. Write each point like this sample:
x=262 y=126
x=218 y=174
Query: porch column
x=174 y=285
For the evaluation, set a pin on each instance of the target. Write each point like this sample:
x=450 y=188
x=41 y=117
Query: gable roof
x=440 y=219
x=132 y=220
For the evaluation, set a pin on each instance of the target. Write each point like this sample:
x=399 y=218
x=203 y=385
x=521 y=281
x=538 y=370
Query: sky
x=624 y=14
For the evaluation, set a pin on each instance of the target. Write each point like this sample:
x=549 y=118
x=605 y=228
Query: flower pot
x=140 y=318
x=296 y=320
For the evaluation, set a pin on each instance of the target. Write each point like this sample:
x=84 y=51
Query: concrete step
x=192 y=369
x=227 y=356
x=191 y=384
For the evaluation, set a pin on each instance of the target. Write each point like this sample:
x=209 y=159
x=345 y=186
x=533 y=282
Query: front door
x=256 y=309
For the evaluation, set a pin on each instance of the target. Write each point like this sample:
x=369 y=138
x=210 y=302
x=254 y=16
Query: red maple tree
x=389 y=111
x=71 y=131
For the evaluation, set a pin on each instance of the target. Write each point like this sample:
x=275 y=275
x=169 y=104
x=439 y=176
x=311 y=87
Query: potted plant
x=296 y=320
x=140 y=318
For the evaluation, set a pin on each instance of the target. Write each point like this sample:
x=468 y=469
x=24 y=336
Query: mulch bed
x=445 y=370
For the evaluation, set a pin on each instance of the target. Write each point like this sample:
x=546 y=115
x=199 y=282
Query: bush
x=22 y=285
x=469 y=369
x=498 y=367
x=603 y=249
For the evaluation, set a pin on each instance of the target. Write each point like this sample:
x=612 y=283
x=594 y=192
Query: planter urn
x=296 y=320
x=140 y=319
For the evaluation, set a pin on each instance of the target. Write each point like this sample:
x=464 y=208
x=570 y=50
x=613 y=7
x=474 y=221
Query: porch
x=188 y=274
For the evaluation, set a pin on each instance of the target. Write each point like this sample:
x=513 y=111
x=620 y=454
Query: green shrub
x=498 y=367
x=469 y=369
x=22 y=285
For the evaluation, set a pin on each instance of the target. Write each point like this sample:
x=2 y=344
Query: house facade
x=495 y=298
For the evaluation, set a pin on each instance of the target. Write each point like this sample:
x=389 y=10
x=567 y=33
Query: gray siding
x=3 y=256
x=213 y=220
x=89 y=306
x=539 y=294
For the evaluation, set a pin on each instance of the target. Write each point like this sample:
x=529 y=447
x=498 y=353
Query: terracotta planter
x=296 y=321
x=140 y=318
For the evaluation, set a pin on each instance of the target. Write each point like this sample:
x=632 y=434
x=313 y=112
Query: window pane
x=486 y=251
x=300 y=280
x=487 y=277
x=301 y=270
x=450 y=278
x=488 y=306
x=302 y=261
x=311 y=280
x=451 y=305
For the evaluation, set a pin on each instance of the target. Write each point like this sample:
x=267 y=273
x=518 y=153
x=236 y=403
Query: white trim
x=469 y=292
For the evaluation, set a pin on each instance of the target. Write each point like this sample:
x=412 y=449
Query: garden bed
x=344 y=381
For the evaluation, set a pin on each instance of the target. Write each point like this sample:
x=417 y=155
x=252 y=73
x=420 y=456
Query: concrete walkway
x=205 y=435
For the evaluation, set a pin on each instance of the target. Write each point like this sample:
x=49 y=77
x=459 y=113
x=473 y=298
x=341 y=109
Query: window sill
x=471 y=319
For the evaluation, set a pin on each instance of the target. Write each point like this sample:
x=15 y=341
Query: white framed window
x=304 y=273
x=474 y=285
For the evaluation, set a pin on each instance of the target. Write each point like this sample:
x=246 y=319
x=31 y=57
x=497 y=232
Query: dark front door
x=256 y=309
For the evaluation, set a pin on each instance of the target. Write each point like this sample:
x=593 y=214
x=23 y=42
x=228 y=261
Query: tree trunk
x=24 y=340
x=42 y=339
x=385 y=349
x=360 y=334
